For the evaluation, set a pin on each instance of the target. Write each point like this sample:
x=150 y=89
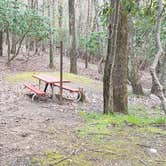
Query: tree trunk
x=8 y=44
x=72 y=51
x=86 y=59
x=120 y=71
x=100 y=66
x=133 y=71
x=155 y=80
x=106 y=81
x=51 y=52
x=31 y=45
x=109 y=63
x=13 y=46
x=60 y=12
x=43 y=14
x=51 y=64
x=1 y=43
x=163 y=72
x=88 y=25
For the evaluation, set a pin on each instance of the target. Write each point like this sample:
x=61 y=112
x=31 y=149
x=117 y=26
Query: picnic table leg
x=39 y=83
x=45 y=89
x=53 y=94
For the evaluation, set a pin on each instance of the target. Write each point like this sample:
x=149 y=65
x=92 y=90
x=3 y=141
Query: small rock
x=154 y=97
x=153 y=150
x=28 y=147
x=24 y=134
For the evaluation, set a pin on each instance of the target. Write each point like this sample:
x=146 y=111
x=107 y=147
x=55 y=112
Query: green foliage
x=145 y=20
x=104 y=13
x=21 y=20
x=61 y=34
x=92 y=43
x=130 y=6
x=106 y=10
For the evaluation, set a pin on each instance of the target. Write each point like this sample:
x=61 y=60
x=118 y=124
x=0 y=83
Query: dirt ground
x=31 y=129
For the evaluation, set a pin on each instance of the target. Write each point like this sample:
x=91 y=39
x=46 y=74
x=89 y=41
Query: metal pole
x=61 y=70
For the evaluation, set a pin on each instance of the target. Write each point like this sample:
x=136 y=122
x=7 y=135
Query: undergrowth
x=103 y=124
x=121 y=120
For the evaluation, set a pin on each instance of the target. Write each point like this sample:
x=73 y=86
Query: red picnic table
x=52 y=81
x=49 y=80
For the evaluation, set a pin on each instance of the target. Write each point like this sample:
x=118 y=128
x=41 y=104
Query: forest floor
x=46 y=133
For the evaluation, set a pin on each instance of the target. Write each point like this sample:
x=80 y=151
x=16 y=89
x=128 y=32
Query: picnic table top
x=48 y=79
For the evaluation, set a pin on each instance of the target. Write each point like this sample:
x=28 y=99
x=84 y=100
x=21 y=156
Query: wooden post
x=61 y=70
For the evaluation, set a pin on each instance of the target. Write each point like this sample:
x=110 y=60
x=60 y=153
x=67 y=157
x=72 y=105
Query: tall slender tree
x=60 y=13
x=1 y=43
x=120 y=71
x=72 y=34
x=51 y=52
x=110 y=58
x=133 y=70
x=14 y=37
x=155 y=80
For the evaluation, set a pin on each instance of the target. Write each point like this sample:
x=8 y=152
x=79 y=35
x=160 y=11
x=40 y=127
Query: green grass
x=27 y=76
x=117 y=119
x=99 y=124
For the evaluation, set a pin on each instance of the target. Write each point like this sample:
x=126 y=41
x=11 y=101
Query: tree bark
x=1 y=43
x=120 y=71
x=100 y=65
x=51 y=52
x=155 y=80
x=31 y=45
x=162 y=75
x=13 y=46
x=110 y=58
x=72 y=51
x=8 y=44
x=133 y=71
x=60 y=12
x=43 y=14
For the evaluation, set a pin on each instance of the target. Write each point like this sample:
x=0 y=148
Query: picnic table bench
x=71 y=90
x=35 y=90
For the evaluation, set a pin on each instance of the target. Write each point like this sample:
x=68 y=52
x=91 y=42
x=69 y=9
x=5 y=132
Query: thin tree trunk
x=18 y=48
x=51 y=52
x=88 y=24
x=109 y=63
x=60 y=12
x=100 y=66
x=19 y=42
x=120 y=71
x=133 y=71
x=163 y=72
x=31 y=45
x=43 y=13
x=8 y=44
x=155 y=80
x=72 y=51
x=1 y=43
x=13 y=46
x=86 y=59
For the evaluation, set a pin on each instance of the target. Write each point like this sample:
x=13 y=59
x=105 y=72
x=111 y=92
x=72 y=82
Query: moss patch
x=55 y=158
